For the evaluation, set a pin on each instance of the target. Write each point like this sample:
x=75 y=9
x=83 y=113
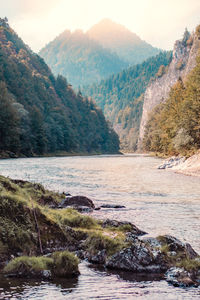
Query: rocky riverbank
x=36 y=224
x=189 y=166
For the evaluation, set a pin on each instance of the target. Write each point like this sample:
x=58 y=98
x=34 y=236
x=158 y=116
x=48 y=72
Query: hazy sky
x=159 y=22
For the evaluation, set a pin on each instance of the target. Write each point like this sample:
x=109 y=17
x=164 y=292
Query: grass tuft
x=189 y=265
x=28 y=265
x=97 y=241
x=70 y=217
x=65 y=264
x=61 y=264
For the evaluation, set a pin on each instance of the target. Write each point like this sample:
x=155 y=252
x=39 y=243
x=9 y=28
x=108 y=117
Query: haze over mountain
x=80 y=59
x=105 y=49
x=119 y=39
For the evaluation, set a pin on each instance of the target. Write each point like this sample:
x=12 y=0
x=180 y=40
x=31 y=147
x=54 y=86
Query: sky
x=159 y=22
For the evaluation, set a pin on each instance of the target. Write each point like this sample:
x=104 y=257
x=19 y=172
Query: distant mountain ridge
x=86 y=58
x=81 y=59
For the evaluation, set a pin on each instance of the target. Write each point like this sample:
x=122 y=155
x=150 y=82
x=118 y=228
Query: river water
x=157 y=201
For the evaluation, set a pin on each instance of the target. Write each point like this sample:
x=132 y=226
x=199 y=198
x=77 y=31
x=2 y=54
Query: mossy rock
x=65 y=264
x=60 y=264
x=29 y=267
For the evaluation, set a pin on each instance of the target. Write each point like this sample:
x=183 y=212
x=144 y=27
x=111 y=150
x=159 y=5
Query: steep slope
x=119 y=39
x=40 y=113
x=174 y=126
x=81 y=59
x=121 y=97
x=184 y=60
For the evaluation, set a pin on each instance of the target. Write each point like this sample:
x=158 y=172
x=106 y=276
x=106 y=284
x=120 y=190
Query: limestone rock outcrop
x=184 y=60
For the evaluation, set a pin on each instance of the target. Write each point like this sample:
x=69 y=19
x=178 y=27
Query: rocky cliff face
x=184 y=60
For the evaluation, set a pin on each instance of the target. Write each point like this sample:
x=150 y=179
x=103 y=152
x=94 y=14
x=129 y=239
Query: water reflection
x=128 y=276
x=96 y=283
x=11 y=288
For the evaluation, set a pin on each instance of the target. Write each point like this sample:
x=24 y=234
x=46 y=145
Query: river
x=157 y=201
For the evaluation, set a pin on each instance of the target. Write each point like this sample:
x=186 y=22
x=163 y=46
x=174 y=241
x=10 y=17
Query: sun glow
x=158 y=22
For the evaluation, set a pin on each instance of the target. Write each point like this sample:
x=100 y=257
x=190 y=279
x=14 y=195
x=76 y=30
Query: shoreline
x=8 y=155
x=187 y=166
x=51 y=227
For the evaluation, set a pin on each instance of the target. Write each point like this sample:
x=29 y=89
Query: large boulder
x=77 y=202
x=174 y=245
x=189 y=251
x=139 y=257
x=98 y=258
x=172 y=162
x=157 y=255
x=123 y=225
x=180 y=277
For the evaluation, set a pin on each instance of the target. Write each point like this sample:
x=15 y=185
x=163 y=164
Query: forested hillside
x=121 y=96
x=41 y=114
x=174 y=126
x=80 y=59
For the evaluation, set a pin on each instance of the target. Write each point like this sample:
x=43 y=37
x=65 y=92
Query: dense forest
x=174 y=126
x=80 y=59
x=41 y=114
x=121 y=96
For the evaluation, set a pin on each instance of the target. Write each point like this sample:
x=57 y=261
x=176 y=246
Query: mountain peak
x=107 y=26
x=105 y=49
x=81 y=59
x=121 y=40
x=78 y=32
x=108 y=22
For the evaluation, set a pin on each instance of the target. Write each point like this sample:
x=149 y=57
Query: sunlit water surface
x=157 y=201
